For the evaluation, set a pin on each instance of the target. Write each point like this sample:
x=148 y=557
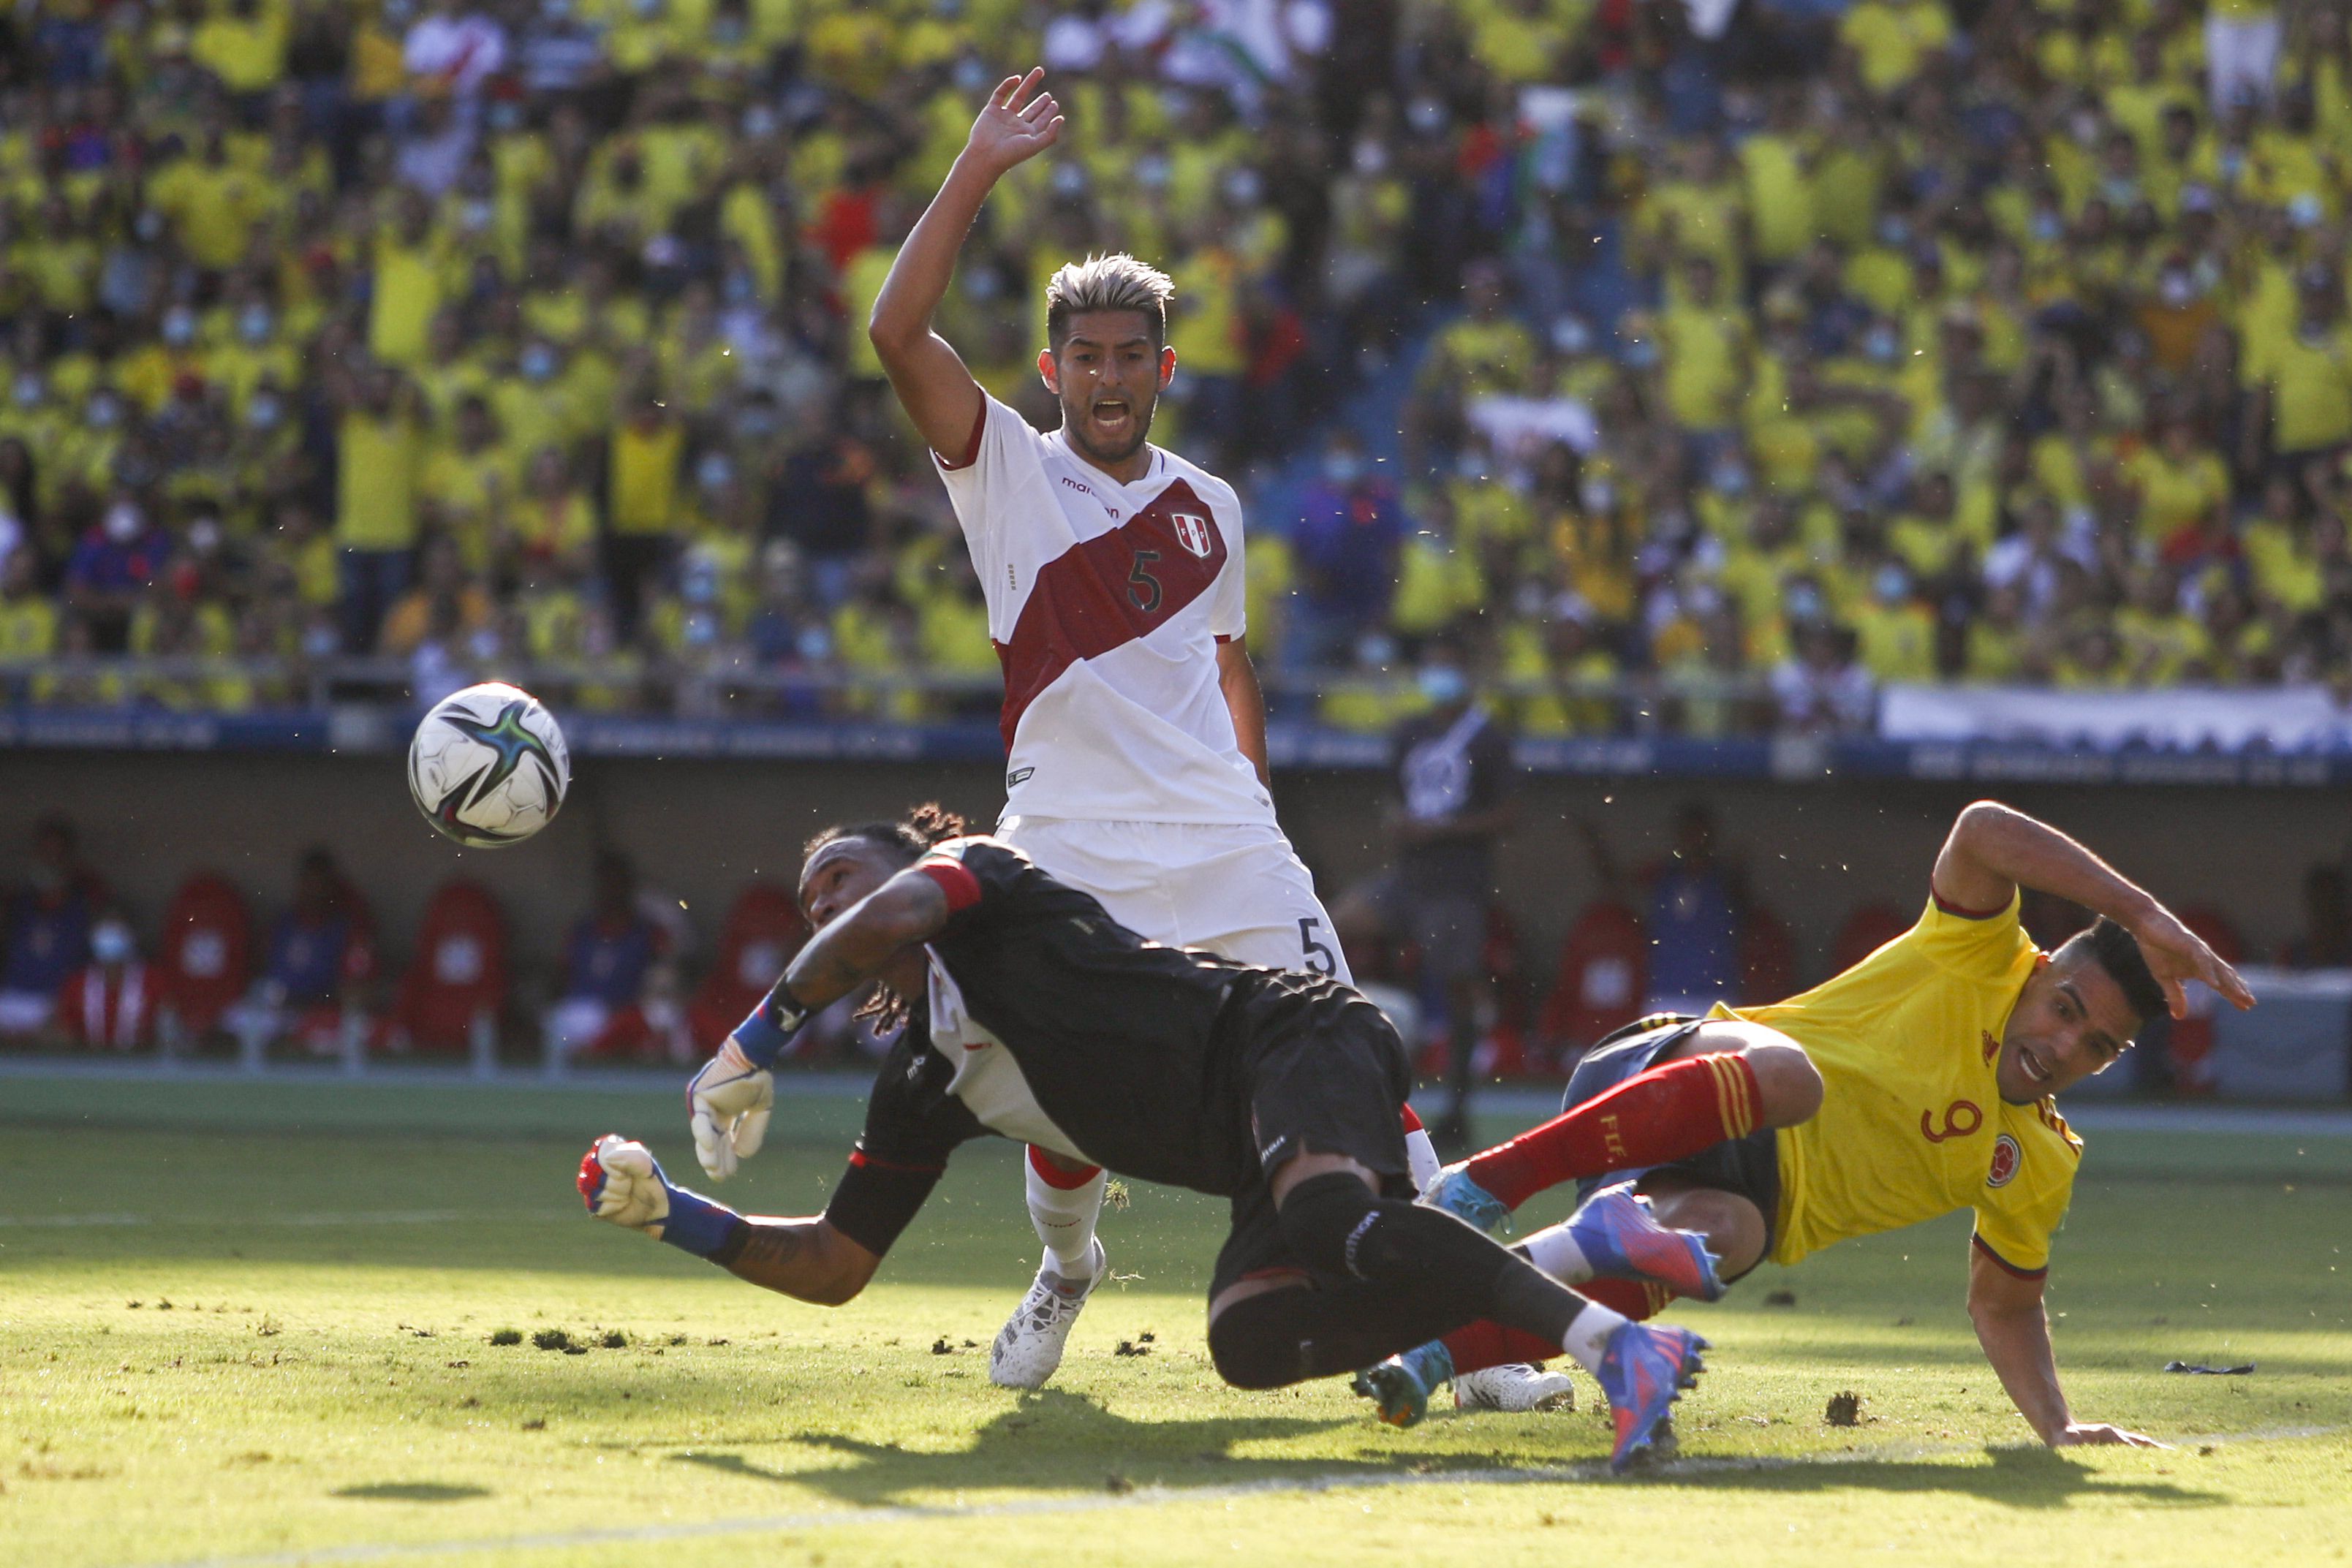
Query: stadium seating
x=1598 y=982
x=1971 y=346
x=206 y=959
x=1866 y=929
x=454 y=994
x=764 y=931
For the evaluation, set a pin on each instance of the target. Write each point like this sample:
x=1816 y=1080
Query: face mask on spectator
x=29 y=388
x=204 y=536
x=1881 y=344
x=1892 y=585
x=1639 y=353
x=1244 y=188
x=713 y=471
x=506 y=118
x=1375 y=650
x=1342 y=467
x=557 y=11
x=1570 y=335
x=760 y=122
x=1372 y=157
x=109 y=942
x=1152 y=170
x=123 y=522
x=1597 y=494
x=2175 y=289
x=1427 y=116
x=537 y=362
x=147 y=226
x=319 y=642
x=1895 y=232
x=727 y=31
x=971 y=74
x=253 y=324
x=264 y=412
x=755 y=421
x=1803 y=601
x=179 y=325
x=1727 y=479
x=1442 y=684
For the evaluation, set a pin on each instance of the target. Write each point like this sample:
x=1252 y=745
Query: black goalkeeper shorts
x=1322 y=1071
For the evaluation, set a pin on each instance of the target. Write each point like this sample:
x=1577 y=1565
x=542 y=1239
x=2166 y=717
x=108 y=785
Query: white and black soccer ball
x=487 y=765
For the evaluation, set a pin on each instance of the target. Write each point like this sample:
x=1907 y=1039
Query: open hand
x=2095 y=1434
x=2175 y=954
x=1019 y=122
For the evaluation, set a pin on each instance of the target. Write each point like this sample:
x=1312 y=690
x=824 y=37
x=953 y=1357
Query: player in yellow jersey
x=1919 y=1081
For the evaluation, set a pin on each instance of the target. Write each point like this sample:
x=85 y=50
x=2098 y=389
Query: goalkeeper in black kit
x=1035 y=1016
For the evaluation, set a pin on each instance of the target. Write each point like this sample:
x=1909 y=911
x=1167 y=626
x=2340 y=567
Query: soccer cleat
x=1402 y=1384
x=1515 y=1388
x=1643 y=1372
x=1452 y=1192
x=1621 y=1239
x=1029 y=1347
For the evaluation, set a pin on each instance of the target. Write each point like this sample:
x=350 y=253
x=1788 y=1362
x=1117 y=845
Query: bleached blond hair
x=1106 y=283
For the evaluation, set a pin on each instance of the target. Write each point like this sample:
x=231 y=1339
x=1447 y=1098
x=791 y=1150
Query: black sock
x=1289 y=1335
x=1342 y=1230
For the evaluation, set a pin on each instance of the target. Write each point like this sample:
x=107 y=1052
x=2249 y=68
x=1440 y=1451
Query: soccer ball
x=489 y=767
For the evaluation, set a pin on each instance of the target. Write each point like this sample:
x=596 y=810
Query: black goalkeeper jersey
x=1091 y=1041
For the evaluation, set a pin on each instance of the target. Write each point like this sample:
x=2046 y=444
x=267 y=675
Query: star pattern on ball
x=506 y=737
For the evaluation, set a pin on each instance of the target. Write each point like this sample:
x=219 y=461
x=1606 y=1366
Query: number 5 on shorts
x=1313 y=955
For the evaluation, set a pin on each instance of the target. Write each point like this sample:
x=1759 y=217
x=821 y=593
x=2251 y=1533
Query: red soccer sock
x=1667 y=1113
x=1482 y=1344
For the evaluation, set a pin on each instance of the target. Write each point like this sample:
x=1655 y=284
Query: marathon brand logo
x=2006 y=1157
x=1018 y=777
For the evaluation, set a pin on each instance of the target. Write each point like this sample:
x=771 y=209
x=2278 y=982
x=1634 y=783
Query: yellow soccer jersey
x=1911 y=1125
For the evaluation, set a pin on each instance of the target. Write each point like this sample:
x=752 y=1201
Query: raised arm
x=2013 y=1327
x=929 y=378
x=858 y=944
x=1993 y=850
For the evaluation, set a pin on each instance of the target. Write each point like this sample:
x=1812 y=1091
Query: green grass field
x=256 y=1323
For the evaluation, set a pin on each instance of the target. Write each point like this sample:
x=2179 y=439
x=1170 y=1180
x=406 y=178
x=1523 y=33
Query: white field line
x=1142 y=1497
x=352 y=1216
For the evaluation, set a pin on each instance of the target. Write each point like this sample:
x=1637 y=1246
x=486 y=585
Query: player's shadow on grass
x=2018 y=1478
x=1057 y=1441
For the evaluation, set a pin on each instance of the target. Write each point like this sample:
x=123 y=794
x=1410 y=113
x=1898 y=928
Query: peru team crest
x=2006 y=1155
x=1192 y=532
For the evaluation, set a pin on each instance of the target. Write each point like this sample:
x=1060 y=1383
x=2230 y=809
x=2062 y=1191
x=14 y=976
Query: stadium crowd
x=1801 y=345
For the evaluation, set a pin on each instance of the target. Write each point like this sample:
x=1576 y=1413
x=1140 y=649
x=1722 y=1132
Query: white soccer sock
x=1064 y=1217
x=1588 y=1336
x=1555 y=1251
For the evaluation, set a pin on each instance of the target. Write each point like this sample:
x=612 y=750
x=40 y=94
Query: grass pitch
x=261 y=1322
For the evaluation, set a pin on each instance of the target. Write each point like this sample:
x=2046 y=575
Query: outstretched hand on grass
x=2095 y=1434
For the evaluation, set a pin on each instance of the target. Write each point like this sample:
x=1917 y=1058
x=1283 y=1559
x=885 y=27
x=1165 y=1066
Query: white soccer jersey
x=1106 y=602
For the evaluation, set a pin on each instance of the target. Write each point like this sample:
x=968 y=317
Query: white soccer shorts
x=1236 y=889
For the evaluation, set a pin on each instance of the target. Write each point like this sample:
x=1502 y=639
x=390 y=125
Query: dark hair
x=928 y=824
x=2118 y=952
x=1106 y=283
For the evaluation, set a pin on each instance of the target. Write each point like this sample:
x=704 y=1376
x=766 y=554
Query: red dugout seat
x=2189 y=1041
x=1598 y=986
x=206 y=958
x=456 y=986
x=1870 y=927
x=764 y=931
x=1767 y=957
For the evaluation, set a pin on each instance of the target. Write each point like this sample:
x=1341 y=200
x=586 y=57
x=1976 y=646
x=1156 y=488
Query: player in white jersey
x=1134 y=727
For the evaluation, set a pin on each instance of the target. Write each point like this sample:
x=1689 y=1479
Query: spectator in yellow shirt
x=1892 y=39
x=378 y=444
x=646 y=451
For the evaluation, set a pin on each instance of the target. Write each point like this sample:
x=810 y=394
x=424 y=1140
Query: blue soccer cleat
x=1643 y=1372
x=1621 y=1239
x=1402 y=1384
x=1452 y=1191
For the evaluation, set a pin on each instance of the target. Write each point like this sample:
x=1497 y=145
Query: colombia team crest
x=1192 y=532
x=2006 y=1157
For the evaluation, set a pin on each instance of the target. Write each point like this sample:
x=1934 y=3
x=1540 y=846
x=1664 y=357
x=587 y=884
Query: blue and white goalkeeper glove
x=728 y=1103
x=621 y=1182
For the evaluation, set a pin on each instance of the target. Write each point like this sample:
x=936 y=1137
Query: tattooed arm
x=807 y=1259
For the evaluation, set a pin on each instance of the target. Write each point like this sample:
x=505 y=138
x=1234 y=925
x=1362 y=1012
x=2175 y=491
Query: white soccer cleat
x=1029 y=1347
x=1515 y=1388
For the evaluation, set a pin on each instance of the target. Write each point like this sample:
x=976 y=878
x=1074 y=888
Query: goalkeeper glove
x=728 y=1103
x=621 y=1182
